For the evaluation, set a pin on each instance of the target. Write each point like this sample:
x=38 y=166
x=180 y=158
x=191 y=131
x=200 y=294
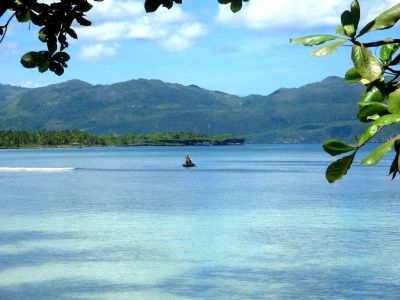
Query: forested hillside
x=311 y=113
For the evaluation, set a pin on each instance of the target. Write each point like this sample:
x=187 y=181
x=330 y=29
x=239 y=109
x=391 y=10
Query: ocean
x=248 y=222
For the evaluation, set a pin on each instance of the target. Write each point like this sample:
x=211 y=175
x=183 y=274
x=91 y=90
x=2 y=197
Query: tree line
x=44 y=138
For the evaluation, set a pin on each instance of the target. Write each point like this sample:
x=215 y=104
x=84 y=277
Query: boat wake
x=24 y=169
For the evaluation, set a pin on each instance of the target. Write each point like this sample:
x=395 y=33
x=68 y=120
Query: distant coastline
x=79 y=139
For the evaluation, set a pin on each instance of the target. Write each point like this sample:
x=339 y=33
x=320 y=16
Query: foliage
x=24 y=139
x=380 y=103
x=55 y=23
x=18 y=139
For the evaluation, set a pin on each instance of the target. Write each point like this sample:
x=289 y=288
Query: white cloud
x=294 y=14
x=184 y=37
x=117 y=20
x=98 y=51
x=30 y=84
x=115 y=9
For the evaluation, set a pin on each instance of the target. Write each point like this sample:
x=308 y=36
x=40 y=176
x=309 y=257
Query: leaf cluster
x=380 y=103
x=153 y=5
x=55 y=21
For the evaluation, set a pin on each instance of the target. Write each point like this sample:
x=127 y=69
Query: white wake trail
x=32 y=169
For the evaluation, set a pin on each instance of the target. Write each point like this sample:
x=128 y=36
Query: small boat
x=188 y=165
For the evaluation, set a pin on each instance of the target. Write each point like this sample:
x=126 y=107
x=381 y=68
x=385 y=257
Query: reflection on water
x=131 y=223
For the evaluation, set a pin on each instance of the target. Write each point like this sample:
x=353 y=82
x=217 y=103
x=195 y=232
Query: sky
x=199 y=42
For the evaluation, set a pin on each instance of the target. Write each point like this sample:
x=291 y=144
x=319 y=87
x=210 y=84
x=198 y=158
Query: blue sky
x=198 y=42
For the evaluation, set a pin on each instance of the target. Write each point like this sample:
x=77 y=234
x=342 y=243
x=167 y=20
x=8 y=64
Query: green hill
x=311 y=113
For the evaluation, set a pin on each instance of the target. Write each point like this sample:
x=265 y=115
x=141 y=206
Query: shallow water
x=249 y=222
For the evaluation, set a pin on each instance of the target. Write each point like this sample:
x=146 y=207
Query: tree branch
x=393 y=70
x=381 y=43
x=6 y=27
x=396 y=60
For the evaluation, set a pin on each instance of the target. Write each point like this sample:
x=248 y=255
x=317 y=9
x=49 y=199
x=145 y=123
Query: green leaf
x=379 y=152
x=328 y=49
x=348 y=23
x=336 y=147
x=355 y=12
x=340 y=30
x=376 y=126
x=352 y=75
x=236 y=5
x=43 y=67
x=394 y=102
x=29 y=60
x=371 y=109
x=387 y=52
x=339 y=168
x=42 y=35
x=385 y=20
x=366 y=64
x=373 y=94
x=313 y=40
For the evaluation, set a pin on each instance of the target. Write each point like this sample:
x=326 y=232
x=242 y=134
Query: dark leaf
x=51 y=43
x=236 y=6
x=82 y=21
x=22 y=14
x=355 y=12
x=71 y=33
x=29 y=60
x=43 y=67
x=395 y=166
x=42 y=35
x=339 y=168
x=336 y=147
x=85 y=6
x=61 y=57
x=348 y=23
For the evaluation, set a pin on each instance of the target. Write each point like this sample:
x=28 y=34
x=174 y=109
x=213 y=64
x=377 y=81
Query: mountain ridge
x=310 y=113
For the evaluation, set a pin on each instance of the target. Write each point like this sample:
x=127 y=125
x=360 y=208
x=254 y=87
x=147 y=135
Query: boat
x=188 y=165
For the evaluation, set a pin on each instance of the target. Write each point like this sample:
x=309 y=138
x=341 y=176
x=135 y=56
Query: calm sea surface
x=249 y=222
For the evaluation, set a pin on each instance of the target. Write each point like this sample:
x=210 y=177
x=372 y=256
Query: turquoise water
x=249 y=222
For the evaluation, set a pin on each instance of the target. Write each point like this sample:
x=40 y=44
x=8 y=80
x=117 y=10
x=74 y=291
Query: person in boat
x=188 y=161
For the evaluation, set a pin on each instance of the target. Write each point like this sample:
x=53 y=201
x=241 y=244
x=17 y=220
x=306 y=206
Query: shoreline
x=110 y=146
